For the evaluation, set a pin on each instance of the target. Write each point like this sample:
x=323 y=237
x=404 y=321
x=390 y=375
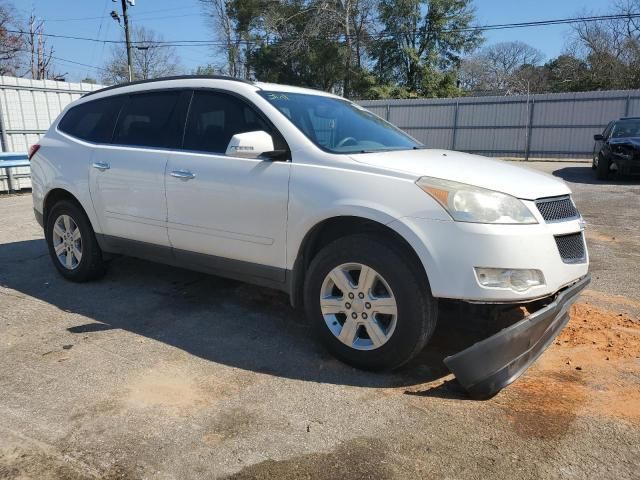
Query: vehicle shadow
x=587 y=176
x=216 y=319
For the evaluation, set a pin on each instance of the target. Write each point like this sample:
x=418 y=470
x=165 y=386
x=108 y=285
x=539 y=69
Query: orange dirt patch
x=543 y=406
x=591 y=369
x=599 y=237
x=616 y=335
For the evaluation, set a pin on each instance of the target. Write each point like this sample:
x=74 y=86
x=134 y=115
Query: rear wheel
x=72 y=243
x=369 y=302
x=602 y=169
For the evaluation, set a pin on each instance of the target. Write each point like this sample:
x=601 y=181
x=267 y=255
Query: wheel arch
x=331 y=229
x=54 y=196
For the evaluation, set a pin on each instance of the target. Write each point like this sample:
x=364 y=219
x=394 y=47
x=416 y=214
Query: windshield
x=626 y=128
x=339 y=126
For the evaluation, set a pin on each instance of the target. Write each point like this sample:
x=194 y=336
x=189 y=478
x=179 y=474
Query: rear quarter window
x=92 y=121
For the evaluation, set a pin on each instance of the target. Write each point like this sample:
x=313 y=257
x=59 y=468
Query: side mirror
x=249 y=144
x=598 y=137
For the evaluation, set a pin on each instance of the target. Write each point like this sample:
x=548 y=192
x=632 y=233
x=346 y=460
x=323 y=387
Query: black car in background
x=618 y=148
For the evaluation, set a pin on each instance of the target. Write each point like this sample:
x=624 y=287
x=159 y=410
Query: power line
x=141 y=42
x=141 y=15
x=104 y=11
x=73 y=62
x=180 y=43
x=543 y=23
x=146 y=19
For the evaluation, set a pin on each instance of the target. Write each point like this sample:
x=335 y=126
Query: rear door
x=223 y=208
x=127 y=176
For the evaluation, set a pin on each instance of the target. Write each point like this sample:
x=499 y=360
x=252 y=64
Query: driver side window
x=214 y=118
x=607 y=131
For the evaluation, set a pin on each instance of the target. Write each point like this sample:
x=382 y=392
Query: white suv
x=311 y=194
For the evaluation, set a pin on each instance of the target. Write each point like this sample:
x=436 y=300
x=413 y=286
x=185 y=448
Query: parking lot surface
x=160 y=373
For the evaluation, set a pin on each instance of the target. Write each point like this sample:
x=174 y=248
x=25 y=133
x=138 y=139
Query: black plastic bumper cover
x=488 y=366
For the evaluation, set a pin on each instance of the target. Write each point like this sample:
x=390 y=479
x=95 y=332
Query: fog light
x=519 y=280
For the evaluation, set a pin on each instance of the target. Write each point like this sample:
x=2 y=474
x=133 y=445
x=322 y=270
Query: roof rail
x=630 y=118
x=162 y=79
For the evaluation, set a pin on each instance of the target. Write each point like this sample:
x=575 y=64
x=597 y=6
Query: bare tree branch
x=495 y=67
x=151 y=59
x=11 y=45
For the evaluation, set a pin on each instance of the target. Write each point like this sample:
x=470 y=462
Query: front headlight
x=466 y=203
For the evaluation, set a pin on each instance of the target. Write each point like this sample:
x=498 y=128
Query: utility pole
x=125 y=16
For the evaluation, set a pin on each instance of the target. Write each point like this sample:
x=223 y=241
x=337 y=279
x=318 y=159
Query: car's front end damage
x=489 y=365
x=505 y=237
x=625 y=155
x=540 y=268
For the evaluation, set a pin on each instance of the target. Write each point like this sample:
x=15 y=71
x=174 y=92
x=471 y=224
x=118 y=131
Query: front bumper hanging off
x=488 y=366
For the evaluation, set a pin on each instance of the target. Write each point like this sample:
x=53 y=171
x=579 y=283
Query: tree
x=226 y=32
x=11 y=44
x=506 y=58
x=151 y=59
x=422 y=42
x=473 y=75
x=207 y=69
x=352 y=21
x=297 y=42
x=508 y=67
x=358 y=48
x=568 y=74
x=529 y=79
x=41 y=54
x=611 y=48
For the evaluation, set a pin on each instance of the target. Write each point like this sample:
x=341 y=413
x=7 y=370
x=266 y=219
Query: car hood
x=633 y=141
x=474 y=170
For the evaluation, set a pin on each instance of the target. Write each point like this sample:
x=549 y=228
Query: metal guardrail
x=9 y=162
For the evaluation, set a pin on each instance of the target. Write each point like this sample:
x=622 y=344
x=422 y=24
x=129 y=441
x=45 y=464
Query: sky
x=183 y=20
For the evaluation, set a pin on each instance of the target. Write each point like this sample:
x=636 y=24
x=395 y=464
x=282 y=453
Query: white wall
x=28 y=107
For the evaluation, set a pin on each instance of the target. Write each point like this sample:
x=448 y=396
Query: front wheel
x=369 y=302
x=603 y=167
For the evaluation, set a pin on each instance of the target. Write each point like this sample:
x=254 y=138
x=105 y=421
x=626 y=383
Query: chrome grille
x=557 y=208
x=571 y=247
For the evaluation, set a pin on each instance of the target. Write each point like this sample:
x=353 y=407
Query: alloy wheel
x=67 y=242
x=358 y=306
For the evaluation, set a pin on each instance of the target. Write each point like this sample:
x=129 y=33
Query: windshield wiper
x=382 y=150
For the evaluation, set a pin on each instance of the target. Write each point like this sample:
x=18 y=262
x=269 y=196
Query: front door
x=226 y=212
x=600 y=146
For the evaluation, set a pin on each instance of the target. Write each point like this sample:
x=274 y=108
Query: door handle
x=183 y=174
x=101 y=166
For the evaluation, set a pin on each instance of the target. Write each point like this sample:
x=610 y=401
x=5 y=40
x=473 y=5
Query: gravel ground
x=155 y=372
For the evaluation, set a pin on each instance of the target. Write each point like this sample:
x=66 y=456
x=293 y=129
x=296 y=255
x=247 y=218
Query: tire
x=395 y=339
x=593 y=164
x=79 y=257
x=602 y=170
